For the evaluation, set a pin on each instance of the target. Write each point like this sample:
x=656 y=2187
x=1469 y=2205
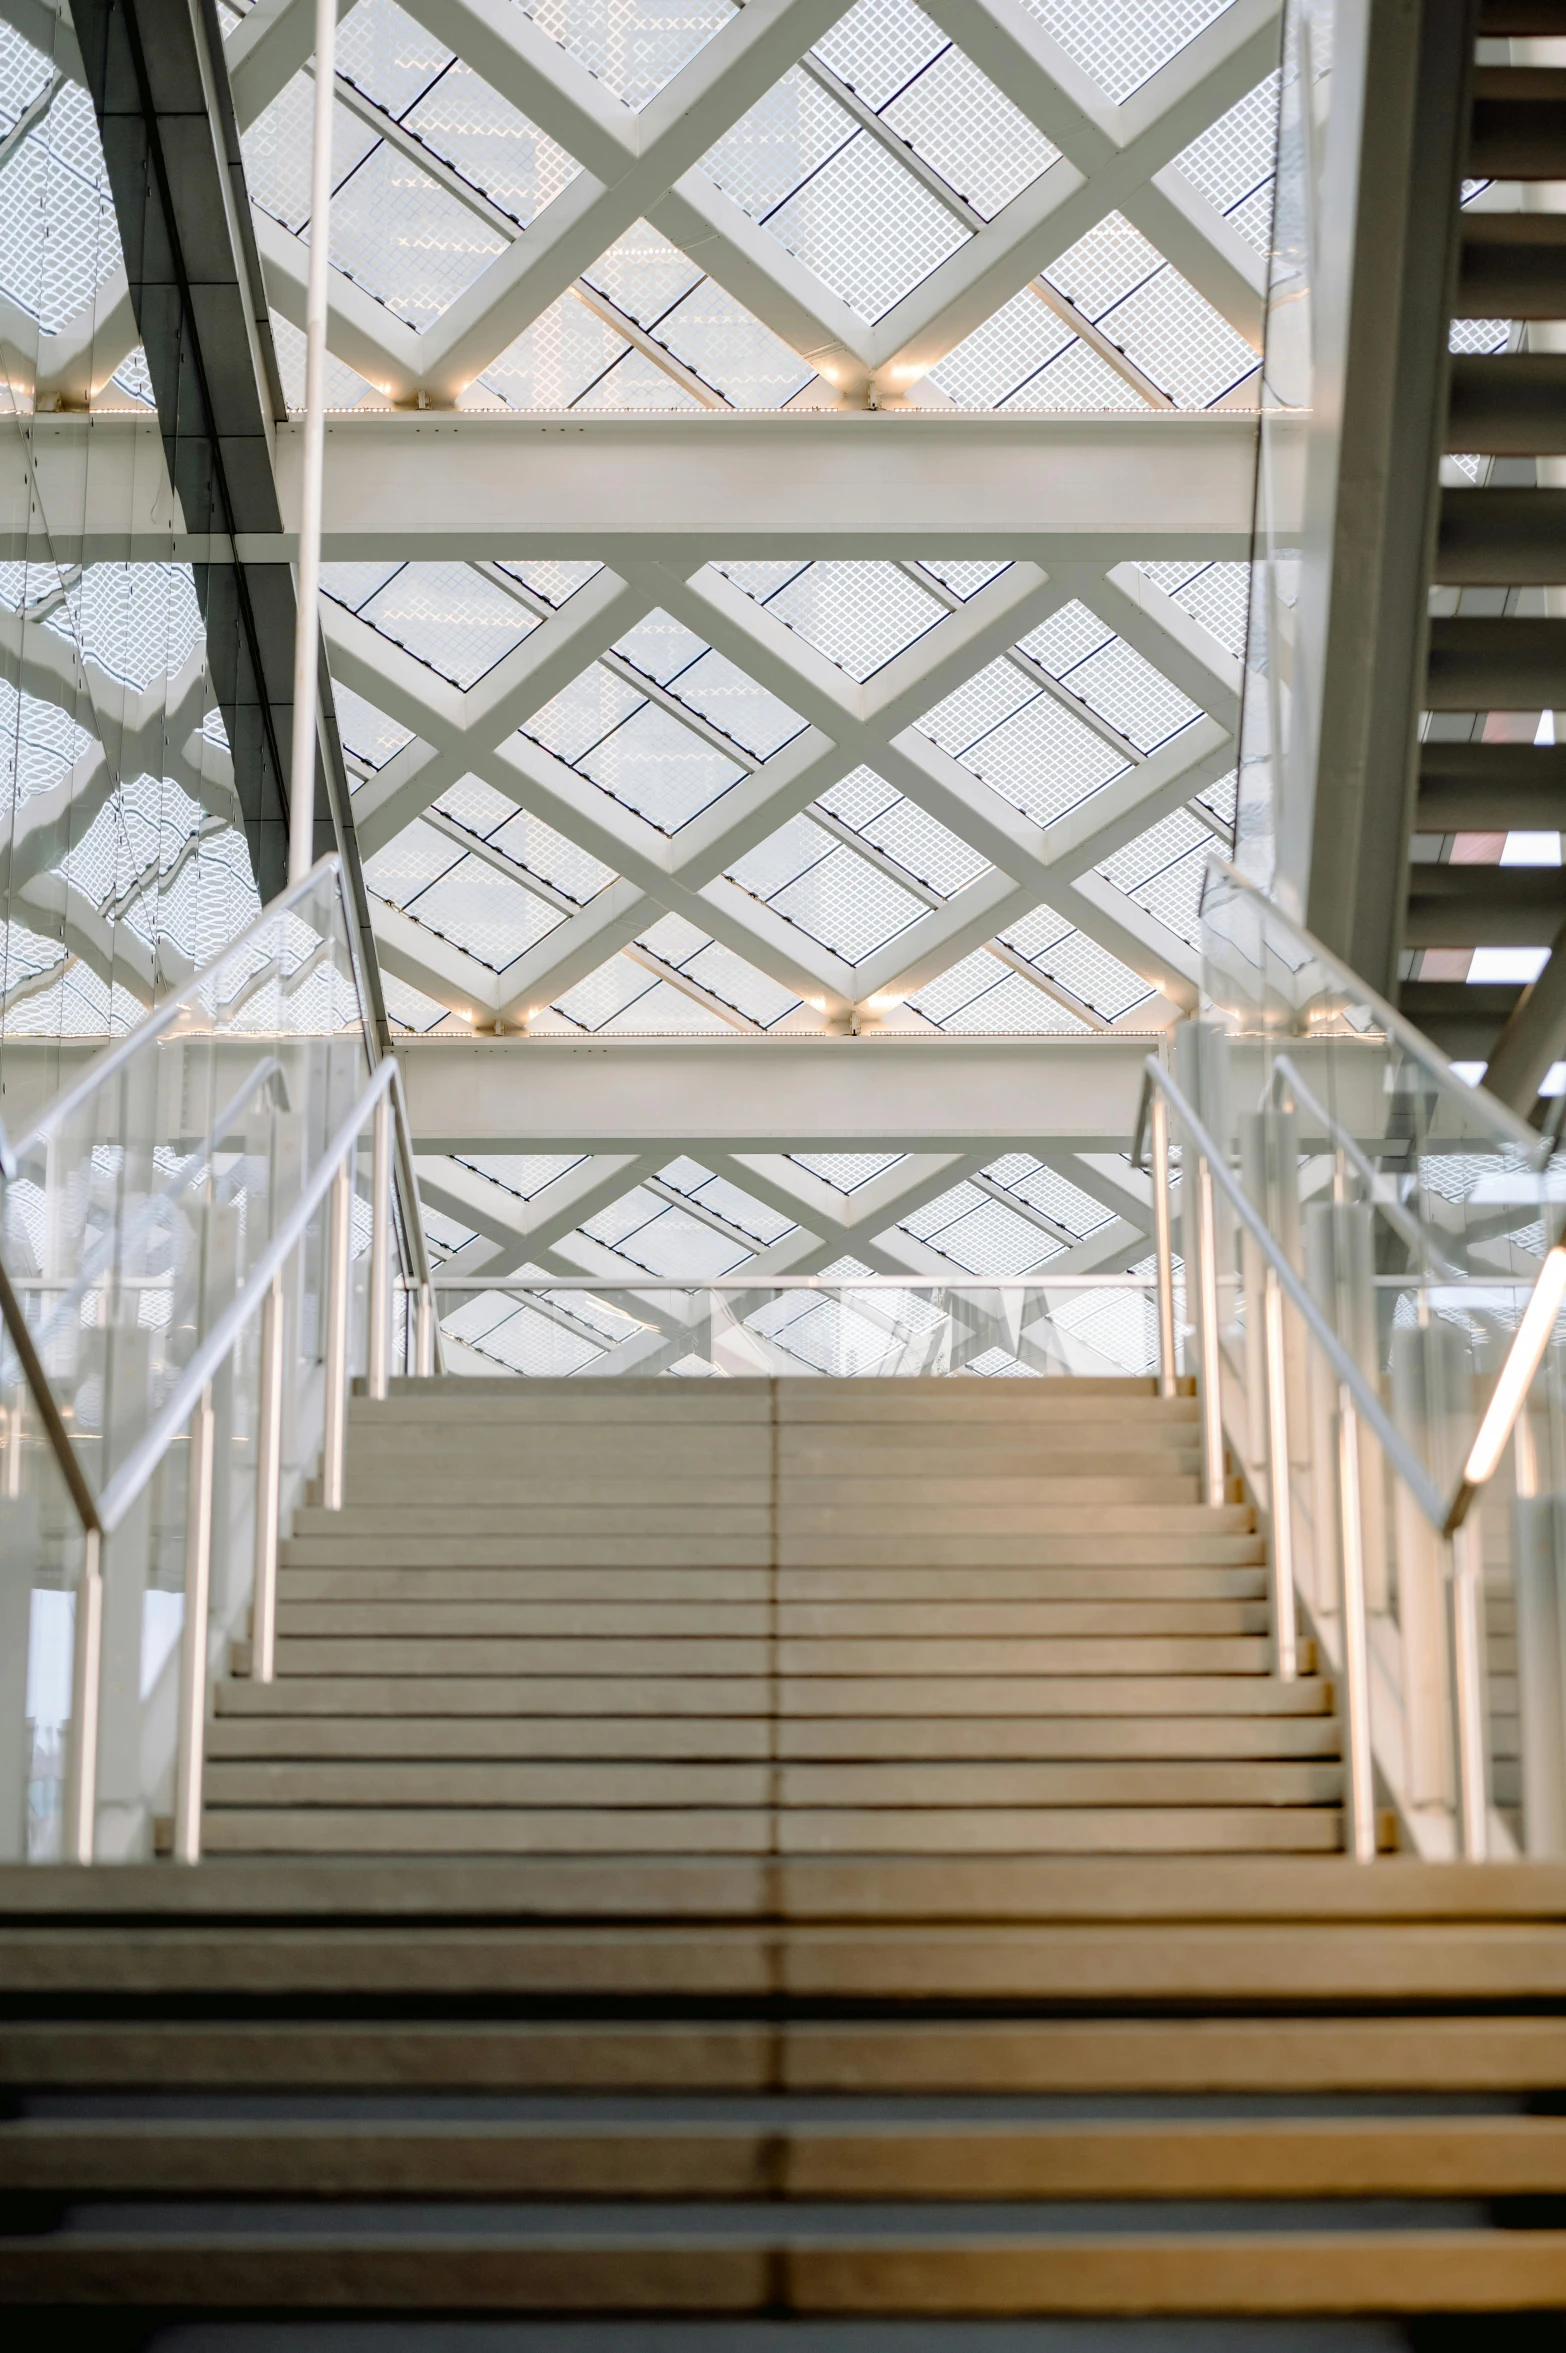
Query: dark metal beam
x=159 y=84
x=1418 y=70
x=169 y=175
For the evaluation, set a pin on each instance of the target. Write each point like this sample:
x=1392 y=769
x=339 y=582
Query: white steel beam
x=773 y=1094
x=680 y=489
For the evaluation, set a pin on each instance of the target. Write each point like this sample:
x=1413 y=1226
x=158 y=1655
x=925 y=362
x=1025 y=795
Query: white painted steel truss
x=753 y=758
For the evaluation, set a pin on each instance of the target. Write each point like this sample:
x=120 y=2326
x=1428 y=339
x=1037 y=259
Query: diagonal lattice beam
x=645 y=164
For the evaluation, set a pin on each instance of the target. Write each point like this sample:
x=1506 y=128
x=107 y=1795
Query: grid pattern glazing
x=794 y=912
x=59 y=239
x=859 y=615
x=983 y=147
x=632 y=46
x=1122 y=47
x=1234 y=158
x=818 y=883
x=822 y=224
x=447 y=615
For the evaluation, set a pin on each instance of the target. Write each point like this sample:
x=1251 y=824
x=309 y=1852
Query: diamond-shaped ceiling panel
x=780 y=793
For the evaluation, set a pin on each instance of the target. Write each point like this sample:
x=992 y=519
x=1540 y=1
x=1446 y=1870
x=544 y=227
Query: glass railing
x=873 y=1327
x=198 y=1256
x=1377 y=1232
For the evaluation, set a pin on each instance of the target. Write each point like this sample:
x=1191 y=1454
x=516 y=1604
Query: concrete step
x=1204 y=1828
x=1067 y=2057
x=864 y=1507
x=1026 y=1548
x=1484 y=787
x=1484 y=664
x=456 y=1548
x=802 y=1512
x=444 y=1621
x=1463 y=906
x=370 y=1587
x=1508 y=404
x=803 y=1697
x=1078 y=1450
x=1518 y=130
x=1498 y=19
x=796 y=2261
x=751 y=1739
x=861 y=2154
x=585 y=1519
x=684 y=1655
x=341 y=1548
x=649 y=1782
x=1512 y=266
x=447 y=1487
x=1111 y=1442
x=1503 y=537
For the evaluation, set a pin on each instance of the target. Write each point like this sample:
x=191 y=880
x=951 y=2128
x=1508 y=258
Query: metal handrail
x=1358 y=1400
x=1511 y=1385
x=144 y=1458
x=163 y=1017
x=1396 y=1025
x=92 y=1266
x=1350 y=1375
x=190 y=1405
x=1407 y=1227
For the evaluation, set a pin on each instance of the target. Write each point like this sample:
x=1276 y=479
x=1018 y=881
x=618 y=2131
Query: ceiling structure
x=718 y=705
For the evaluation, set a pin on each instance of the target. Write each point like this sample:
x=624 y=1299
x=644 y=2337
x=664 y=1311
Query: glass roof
x=695 y=828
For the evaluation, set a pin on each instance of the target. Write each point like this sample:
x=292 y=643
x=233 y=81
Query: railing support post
x=1163 y=1253
x=1468 y=1692
x=1212 y=1362
x=269 y=1478
x=81 y=1792
x=425 y=1360
x=339 y=1241
x=1279 y=1483
x=1356 y=1657
x=193 y=1648
x=380 y=1250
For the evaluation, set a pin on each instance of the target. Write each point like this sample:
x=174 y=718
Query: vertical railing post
x=81 y=1788
x=1163 y=1252
x=339 y=1243
x=269 y=1480
x=380 y=1250
x=301 y=770
x=1280 y=1493
x=193 y=1647
x=1356 y=1657
x=426 y=1333
x=1468 y=1691
x=13 y=1445
x=1213 y=1480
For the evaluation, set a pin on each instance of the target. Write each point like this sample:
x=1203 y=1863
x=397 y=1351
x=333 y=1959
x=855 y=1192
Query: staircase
x=774 y=1618
x=740 y=1859
x=1504 y=536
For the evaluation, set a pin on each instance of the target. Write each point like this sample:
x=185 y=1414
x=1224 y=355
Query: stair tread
x=646 y=1782
x=853 y=2157
x=890 y=1696
x=685 y=1828
x=982 y=1738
